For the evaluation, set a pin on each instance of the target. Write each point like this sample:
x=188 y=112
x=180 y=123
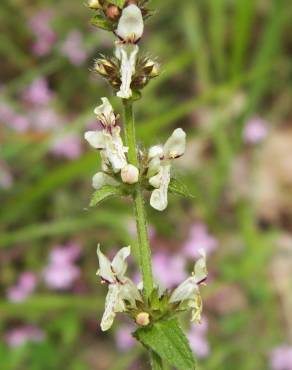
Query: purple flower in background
x=169 y=270
x=68 y=146
x=38 y=93
x=21 y=335
x=45 y=119
x=6 y=179
x=131 y=226
x=198 y=339
x=281 y=358
x=65 y=254
x=45 y=36
x=123 y=337
x=199 y=238
x=255 y=130
x=61 y=272
x=24 y=287
x=13 y=119
x=73 y=48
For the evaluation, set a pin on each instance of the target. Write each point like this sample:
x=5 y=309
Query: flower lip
x=203 y=281
x=131 y=25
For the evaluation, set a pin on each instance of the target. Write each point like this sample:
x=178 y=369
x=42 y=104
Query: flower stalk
x=139 y=208
x=127 y=170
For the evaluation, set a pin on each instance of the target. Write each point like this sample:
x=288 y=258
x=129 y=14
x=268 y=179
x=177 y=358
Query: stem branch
x=140 y=214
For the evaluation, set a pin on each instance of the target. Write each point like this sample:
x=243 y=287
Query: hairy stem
x=140 y=214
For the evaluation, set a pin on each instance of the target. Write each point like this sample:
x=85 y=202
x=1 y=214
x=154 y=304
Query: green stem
x=140 y=214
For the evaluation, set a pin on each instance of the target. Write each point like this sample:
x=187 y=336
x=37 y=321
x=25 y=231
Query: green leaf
x=176 y=187
x=168 y=341
x=107 y=191
x=119 y=3
x=99 y=21
x=156 y=362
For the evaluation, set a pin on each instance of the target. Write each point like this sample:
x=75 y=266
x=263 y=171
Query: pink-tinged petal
x=169 y=270
x=21 y=335
x=65 y=254
x=198 y=339
x=38 y=92
x=68 y=146
x=45 y=119
x=6 y=178
x=255 y=131
x=199 y=238
x=74 y=48
x=281 y=358
x=28 y=281
x=123 y=337
x=23 y=289
x=61 y=277
x=16 y=294
x=45 y=36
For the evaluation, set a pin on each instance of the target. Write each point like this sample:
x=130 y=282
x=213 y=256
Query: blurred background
x=226 y=79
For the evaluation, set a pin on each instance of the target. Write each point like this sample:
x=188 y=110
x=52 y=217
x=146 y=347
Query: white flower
x=127 y=54
x=130 y=174
x=108 y=140
x=188 y=293
x=131 y=25
x=161 y=181
x=120 y=289
x=105 y=113
x=101 y=179
x=159 y=167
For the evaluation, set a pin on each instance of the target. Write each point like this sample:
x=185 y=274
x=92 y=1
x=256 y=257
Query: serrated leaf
x=168 y=341
x=107 y=191
x=176 y=187
x=119 y=3
x=99 y=21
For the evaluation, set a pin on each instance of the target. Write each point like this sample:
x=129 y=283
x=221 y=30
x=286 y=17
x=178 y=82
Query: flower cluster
x=124 y=296
x=126 y=71
x=112 y=150
x=121 y=289
x=159 y=167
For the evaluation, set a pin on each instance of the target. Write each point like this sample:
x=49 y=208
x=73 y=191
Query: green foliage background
x=210 y=51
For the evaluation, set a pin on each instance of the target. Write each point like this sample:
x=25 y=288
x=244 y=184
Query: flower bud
x=105 y=67
x=143 y=319
x=151 y=68
x=130 y=174
x=94 y=4
x=112 y=12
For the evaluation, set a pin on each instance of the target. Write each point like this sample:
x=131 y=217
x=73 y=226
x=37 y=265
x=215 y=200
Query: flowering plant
x=127 y=170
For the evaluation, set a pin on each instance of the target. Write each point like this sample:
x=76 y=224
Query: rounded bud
x=130 y=174
x=99 y=68
x=143 y=319
x=155 y=70
x=94 y=4
x=112 y=12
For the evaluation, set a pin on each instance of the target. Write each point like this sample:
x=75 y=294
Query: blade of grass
x=40 y=305
x=65 y=227
x=217 y=33
x=62 y=175
x=242 y=28
x=192 y=28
